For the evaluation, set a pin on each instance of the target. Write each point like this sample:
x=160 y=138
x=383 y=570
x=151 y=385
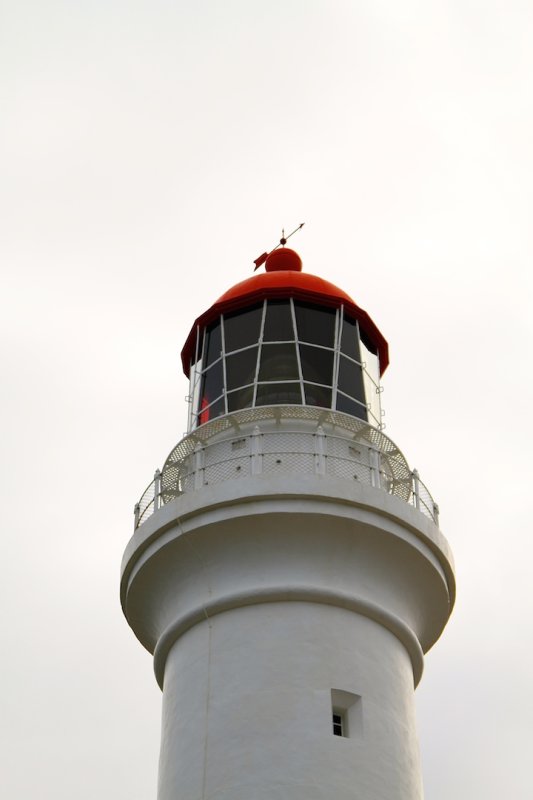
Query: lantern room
x=284 y=337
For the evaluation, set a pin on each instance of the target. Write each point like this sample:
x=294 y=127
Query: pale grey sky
x=149 y=151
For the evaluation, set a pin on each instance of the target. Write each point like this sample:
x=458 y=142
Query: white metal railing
x=356 y=452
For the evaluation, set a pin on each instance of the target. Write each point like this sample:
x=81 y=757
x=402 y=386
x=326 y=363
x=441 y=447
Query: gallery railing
x=354 y=451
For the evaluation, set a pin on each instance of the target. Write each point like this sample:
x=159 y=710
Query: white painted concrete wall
x=247 y=708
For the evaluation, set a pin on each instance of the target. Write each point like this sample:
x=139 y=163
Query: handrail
x=196 y=463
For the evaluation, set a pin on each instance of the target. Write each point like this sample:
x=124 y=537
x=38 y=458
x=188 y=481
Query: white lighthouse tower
x=287 y=570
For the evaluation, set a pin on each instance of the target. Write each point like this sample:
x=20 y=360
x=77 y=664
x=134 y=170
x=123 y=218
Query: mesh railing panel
x=297 y=463
x=340 y=445
x=423 y=500
x=220 y=471
x=349 y=469
x=145 y=506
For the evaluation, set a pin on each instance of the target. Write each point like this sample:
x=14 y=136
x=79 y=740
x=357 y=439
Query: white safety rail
x=233 y=447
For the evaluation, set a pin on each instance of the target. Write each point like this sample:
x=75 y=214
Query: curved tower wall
x=249 y=706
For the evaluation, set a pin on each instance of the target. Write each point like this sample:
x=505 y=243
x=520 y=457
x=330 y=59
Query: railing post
x=136 y=514
x=320 y=451
x=157 y=489
x=199 y=466
x=435 y=513
x=256 y=451
x=375 y=467
x=416 y=488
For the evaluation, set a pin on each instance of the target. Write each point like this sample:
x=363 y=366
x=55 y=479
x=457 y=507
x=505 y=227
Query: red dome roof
x=283 y=258
x=284 y=283
x=281 y=284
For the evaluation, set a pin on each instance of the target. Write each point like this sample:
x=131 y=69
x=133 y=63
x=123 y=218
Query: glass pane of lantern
x=317 y=364
x=212 y=385
x=214 y=343
x=278 y=362
x=349 y=406
x=275 y=394
x=317 y=395
x=195 y=382
x=371 y=380
x=242 y=398
x=351 y=379
x=315 y=324
x=278 y=321
x=371 y=360
x=242 y=328
x=350 y=339
x=240 y=368
x=216 y=409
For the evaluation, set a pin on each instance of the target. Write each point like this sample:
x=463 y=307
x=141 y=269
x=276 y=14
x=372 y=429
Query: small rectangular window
x=347 y=714
x=338 y=724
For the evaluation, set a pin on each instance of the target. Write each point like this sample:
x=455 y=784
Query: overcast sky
x=149 y=152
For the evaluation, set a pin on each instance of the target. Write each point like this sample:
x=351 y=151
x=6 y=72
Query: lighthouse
x=287 y=570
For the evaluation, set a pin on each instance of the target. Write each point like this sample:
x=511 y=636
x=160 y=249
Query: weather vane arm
x=283 y=241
